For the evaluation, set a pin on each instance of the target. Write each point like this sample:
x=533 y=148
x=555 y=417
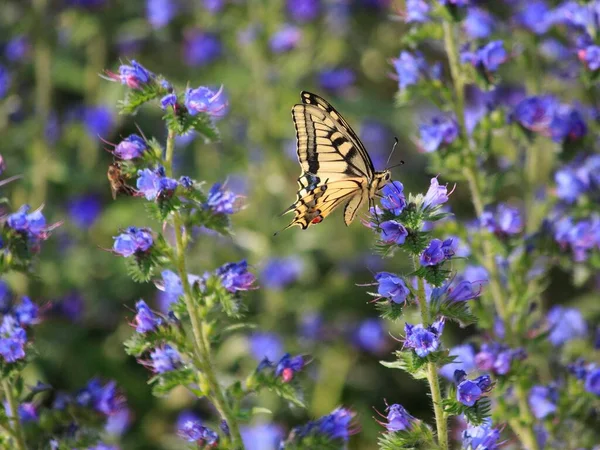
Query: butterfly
x=117 y=181
x=336 y=168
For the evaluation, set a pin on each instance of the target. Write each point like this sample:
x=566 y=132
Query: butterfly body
x=336 y=168
x=117 y=181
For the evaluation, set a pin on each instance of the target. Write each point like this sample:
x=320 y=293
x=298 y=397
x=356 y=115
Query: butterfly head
x=381 y=179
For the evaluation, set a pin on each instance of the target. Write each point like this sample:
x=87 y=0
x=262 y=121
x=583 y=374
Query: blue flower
x=592 y=381
x=464 y=290
x=370 y=335
x=4 y=81
x=393 y=198
x=265 y=345
x=439 y=132
x=98 y=121
x=492 y=55
x=303 y=10
x=469 y=391
x=160 y=12
x=497 y=358
x=281 y=272
x=335 y=425
x=145 y=320
x=84 y=210
x=393 y=232
x=578 y=369
x=565 y=324
x=409 y=68
x=436 y=194
x=398 y=418
x=434 y=254
x=465 y=361
x=336 y=80
x=567 y=124
x=417 y=11
x=235 y=276
x=571 y=183
x=536 y=16
x=12 y=340
x=285 y=39
x=133 y=146
x=542 y=401
x=262 y=437
x=169 y=100
x=220 y=200
x=504 y=220
x=193 y=431
x=205 y=100
x=454 y=3
x=590 y=56
x=26 y=312
x=154 y=184
x=288 y=366
x=17 y=48
x=104 y=399
x=479 y=23
x=32 y=224
x=392 y=287
x=134 y=76
x=482 y=437
x=200 y=49
x=535 y=113
x=165 y=359
x=423 y=340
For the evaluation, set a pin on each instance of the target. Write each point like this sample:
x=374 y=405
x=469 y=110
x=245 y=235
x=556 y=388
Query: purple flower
x=409 y=68
x=483 y=437
x=200 y=49
x=285 y=39
x=393 y=232
x=565 y=324
x=288 y=366
x=84 y=210
x=205 y=100
x=590 y=56
x=439 y=132
x=465 y=361
x=160 y=12
x=370 y=335
x=104 y=399
x=265 y=345
x=27 y=412
x=153 y=183
x=491 y=56
x=469 y=391
x=169 y=100
x=145 y=320
x=133 y=241
x=464 y=290
x=504 y=220
x=536 y=16
x=392 y=287
x=32 y=224
x=4 y=81
x=17 y=48
x=436 y=194
x=542 y=401
x=423 y=340
x=398 y=418
x=455 y=3
x=12 y=340
x=235 y=276
x=393 y=198
x=193 y=431
x=496 y=357
x=335 y=425
x=303 y=10
x=479 y=23
x=134 y=76
x=98 y=121
x=434 y=254
x=567 y=124
x=165 y=359
x=336 y=80
x=535 y=113
x=220 y=200
x=281 y=272
x=133 y=146
x=261 y=437
x=26 y=312
x=416 y=11
x=592 y=381
x=571 y=183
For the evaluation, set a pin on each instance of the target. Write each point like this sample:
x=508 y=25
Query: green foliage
x=459 y=312
x=183 y=123
x=418 y=437
x=163 y=383
x=140 y=268
x=389 y=310
x=266 y=379
x=434 y=275
x=409 y=361
x=475 y=415
x=135 y=98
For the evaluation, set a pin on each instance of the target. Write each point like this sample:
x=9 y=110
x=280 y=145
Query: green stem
x=524 y=433
x=17 y=430
x=432 y=371
x=201 y=340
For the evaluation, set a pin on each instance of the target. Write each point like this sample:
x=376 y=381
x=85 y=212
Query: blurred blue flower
x=497 y=358
x=503 y=220
x=261 y=437
x=592 y=381
x=378 y=138
x=491 y=56
x=285 y=39
x=118 y=422
x=436 y=194
x=160 y=12
x=542 y=401
x=391 y=287
x=409 y=68
x=4 y=81
x=145 y=320
x=194 y=431
x=578 y=369
x=469 y=391
x=416 y=11
x=165 y=359
x=98 y=121
x=565 y=324
x=133 y=146
x=103 y=398
x=169 y=100
x=133 y=240
x=336 y=425
x=455 y=3
x=571 y=183
x=336 y=80
x=398 y=418
x=26 y=312
x=281 y=272
x=439 y=132
x=32 y=224
x=17 y=48
x=423 y=340
x=393 y=199
x=590 y=56
x=84 y=210
x=536 y=16
x=5 y=294
x=205 y=100
x=535 y=113
x=213 y=6
x=303 y=10
x=567 y=124
x=465 y=361
x=265 y=345
x=482 y=437
x=235 y=276
x=12 y=340
x=200 y=48
x=477 y=275
x=393 y=232
x=288 y=366
x=479 y=23
x=370 y=335
x=220 y=200
x=27 y=412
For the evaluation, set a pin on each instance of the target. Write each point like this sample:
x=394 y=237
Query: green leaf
x=163 y=383
x=183 y=123
x=410 y=362
x=389 y=310
x=418 y=437
x=459 y=312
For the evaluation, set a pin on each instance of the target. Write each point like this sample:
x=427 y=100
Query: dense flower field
x=148 y=150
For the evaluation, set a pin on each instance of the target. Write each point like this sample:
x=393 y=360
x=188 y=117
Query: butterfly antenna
x=392 y=152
